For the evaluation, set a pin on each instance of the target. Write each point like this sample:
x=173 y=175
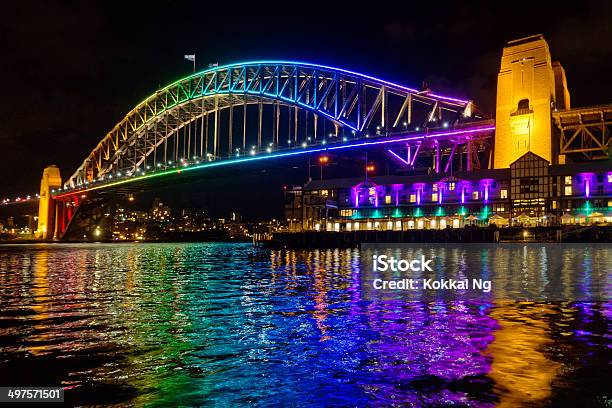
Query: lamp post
x=323 y=160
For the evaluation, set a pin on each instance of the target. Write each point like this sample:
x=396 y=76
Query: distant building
x=159 y=211
x=293 y=208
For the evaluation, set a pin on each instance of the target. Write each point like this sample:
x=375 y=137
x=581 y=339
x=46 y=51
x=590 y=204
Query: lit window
x=475 y=195
x=413 y=198
x=554 y=205
x=434 y=197
x=568 y=179
x=324 y=193
x=387 y=199
x=346 y=213
x=451 y=186
x=504 y=193
x=609 y=177
x=435 y=187
x=568 y=190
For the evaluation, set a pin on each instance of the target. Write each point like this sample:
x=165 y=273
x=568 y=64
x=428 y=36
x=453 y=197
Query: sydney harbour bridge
x=267 y=110
x=247 y=112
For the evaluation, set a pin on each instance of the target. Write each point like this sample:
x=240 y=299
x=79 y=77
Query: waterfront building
x=531 y=192
x=550 y=164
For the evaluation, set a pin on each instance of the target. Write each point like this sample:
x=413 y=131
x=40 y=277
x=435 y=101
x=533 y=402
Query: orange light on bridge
x=370 y=167
x=323 y=159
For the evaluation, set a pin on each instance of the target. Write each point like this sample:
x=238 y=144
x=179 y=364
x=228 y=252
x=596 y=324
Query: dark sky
x=69 y=70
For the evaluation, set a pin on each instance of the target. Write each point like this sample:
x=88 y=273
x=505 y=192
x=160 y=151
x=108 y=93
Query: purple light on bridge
x=420 y=136
x=397 y=156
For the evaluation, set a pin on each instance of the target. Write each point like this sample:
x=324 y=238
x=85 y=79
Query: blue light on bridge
x=305 y=150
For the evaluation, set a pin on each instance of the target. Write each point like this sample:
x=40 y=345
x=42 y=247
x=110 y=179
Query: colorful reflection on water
x=229 y=325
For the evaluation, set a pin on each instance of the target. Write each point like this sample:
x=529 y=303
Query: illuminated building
x=529 y=87
x=529 y=193
x=159 y=211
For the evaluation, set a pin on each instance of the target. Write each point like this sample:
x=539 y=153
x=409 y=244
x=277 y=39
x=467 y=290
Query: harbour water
x=219 y=324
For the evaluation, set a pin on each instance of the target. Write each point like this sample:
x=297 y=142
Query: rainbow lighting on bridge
x=121 y=179
x=452 y=163
x=406 y=223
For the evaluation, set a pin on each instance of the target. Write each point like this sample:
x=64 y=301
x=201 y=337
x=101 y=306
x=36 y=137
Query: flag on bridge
x=191 y=57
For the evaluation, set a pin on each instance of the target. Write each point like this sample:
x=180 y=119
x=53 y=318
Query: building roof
x=601 y=166
x=526 y=155
x=338 y=183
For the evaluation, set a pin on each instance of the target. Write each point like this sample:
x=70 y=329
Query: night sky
x=71 y=70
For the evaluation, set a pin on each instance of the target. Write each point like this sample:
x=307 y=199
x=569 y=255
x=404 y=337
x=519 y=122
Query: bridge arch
x=195 y=117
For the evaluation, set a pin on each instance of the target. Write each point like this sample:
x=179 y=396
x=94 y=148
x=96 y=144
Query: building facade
x=531 y=192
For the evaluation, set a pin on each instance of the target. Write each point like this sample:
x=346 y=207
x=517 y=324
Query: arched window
x=523 y=104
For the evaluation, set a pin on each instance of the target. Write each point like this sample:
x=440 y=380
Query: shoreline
x=352 y=239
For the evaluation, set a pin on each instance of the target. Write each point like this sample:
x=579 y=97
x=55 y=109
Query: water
x=227 y=325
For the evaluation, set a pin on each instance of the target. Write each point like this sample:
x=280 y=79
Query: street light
x=323 y=160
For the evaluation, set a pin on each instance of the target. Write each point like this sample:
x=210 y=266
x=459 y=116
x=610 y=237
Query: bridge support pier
x=51 y=179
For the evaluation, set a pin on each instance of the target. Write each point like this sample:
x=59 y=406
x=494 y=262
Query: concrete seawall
x=328 y=239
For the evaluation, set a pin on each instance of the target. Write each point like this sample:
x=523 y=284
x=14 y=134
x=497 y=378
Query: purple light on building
x=486 y=184
x=356 y=196
x=587 y=189
x=440 y=195
x=586 y=178
x=397 y=188
x=462 y=195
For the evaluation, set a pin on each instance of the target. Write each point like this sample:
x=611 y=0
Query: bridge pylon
x=529 y=87
x=51 y=179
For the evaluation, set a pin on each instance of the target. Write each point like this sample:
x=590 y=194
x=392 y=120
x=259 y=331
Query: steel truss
x=585 y=132
x=459 y=152
x=229 y=110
